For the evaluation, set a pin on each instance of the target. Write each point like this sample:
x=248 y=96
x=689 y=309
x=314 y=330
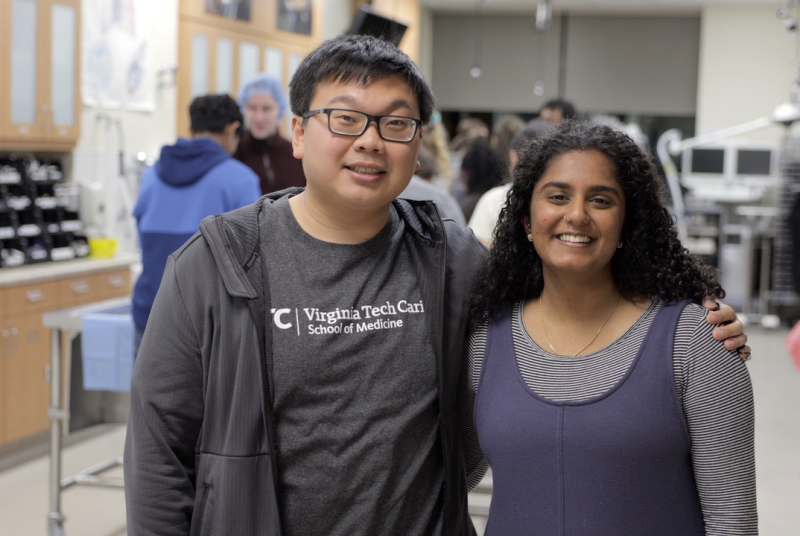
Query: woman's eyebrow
x=557 y=184
x=599 y=188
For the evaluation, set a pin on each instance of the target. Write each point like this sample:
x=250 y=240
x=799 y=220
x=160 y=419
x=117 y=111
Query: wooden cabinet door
x=61 y=63
x=39 y=73
x=23 y=91
x=5 y=350
x=27 y=389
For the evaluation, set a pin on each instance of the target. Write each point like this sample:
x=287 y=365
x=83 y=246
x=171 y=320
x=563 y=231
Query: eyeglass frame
x=418 y=123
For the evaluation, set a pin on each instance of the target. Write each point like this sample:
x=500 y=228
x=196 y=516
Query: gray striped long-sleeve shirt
x=712 y=384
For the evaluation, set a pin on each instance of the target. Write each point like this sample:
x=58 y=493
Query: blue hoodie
x=192 y=179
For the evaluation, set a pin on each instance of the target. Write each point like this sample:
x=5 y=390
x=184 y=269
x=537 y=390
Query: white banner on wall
x=116 y=58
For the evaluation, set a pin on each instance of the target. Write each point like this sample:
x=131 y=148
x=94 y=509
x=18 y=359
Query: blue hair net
x=263 y=83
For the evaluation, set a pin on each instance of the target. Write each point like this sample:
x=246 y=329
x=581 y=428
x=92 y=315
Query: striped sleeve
x=717 y=399
x=474 y=460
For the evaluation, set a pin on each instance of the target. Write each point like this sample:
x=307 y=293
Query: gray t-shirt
x=355 y=384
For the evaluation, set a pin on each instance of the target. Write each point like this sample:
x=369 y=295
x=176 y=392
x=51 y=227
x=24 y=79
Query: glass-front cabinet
x=39 y=68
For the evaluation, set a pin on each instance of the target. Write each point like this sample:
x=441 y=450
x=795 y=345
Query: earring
x=530 y=237
x=619 y=245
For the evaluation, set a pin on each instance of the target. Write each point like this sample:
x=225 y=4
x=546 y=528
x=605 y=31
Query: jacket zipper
x=440 y=280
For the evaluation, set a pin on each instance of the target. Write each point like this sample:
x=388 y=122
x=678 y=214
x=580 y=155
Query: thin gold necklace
x=579 y=352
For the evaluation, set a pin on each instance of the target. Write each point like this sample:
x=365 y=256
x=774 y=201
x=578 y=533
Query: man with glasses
x=299 y=376
x=299 y=372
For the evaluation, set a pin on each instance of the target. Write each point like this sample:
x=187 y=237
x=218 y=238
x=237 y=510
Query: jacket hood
x=187 y=161
x=234 y=236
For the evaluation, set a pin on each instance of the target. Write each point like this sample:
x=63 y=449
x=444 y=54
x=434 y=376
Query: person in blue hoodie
x=193 y=179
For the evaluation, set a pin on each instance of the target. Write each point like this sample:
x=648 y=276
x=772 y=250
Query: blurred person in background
x=555 y=111
x=503 y=132
x=468 y=131
x=481 y=170
x=262 y=148
x=487 y=211
x=192 y=179
x=436 y=141
x=422 y=188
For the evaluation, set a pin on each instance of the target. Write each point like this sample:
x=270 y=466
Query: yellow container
x=103 y=248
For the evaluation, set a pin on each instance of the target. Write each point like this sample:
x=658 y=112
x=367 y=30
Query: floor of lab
x=92 y=511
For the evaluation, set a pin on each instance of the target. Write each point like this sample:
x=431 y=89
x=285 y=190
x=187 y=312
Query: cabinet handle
x=48 y=374
x=34 y=295
x=80 y=287
x=116 y=281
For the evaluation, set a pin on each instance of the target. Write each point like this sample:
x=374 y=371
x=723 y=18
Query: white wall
x=426 y=44
x=747 y=63
x=95 y=159
x=337 y=16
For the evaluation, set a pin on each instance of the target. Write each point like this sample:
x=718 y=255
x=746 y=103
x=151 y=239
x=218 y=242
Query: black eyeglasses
x=396 y=128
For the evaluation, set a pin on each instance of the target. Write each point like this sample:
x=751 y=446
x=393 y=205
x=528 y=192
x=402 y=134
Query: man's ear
x=298 y=136
x=417 y=166
x=233 y=129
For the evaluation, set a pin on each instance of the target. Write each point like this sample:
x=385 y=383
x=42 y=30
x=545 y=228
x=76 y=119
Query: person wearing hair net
x=262 y=148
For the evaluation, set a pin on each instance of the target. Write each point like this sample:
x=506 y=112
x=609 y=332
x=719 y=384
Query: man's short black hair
x=357 y=59
x=212 y=113
x=567 y=108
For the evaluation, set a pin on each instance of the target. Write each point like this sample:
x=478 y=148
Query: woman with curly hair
x=602 y=403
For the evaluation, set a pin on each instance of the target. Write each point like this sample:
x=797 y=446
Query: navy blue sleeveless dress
x=617 y=464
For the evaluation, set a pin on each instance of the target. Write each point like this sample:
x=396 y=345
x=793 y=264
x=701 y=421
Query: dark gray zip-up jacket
x=198 y=454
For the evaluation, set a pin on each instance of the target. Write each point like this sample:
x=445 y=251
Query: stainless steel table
x=70 y=321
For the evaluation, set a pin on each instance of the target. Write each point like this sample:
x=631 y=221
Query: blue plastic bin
x=107 y=348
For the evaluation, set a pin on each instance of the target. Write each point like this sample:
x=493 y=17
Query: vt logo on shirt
x=350 y=320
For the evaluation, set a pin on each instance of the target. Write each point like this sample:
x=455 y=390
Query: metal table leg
x=56 y=414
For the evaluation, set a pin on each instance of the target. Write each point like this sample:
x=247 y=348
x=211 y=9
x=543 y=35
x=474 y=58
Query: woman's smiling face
x=577 y=213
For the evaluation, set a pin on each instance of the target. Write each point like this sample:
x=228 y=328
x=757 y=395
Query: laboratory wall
x=511 y=54
x=634 y=65
x=336 y=18
x=747 y=63
x=619 y=64
x=104 y=160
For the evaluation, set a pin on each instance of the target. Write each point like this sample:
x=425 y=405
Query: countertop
x=34 y=273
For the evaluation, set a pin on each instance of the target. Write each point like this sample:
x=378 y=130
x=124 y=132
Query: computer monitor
x=755 y=162
x=366 y=22
x=706 y=166
x=707 y=161
x=734 y=171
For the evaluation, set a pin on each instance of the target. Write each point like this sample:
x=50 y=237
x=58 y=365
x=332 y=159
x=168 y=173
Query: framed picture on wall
x=295 y=16
x=231 y=9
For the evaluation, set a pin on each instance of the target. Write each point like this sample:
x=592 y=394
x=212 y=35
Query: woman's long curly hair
x=652 y=261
